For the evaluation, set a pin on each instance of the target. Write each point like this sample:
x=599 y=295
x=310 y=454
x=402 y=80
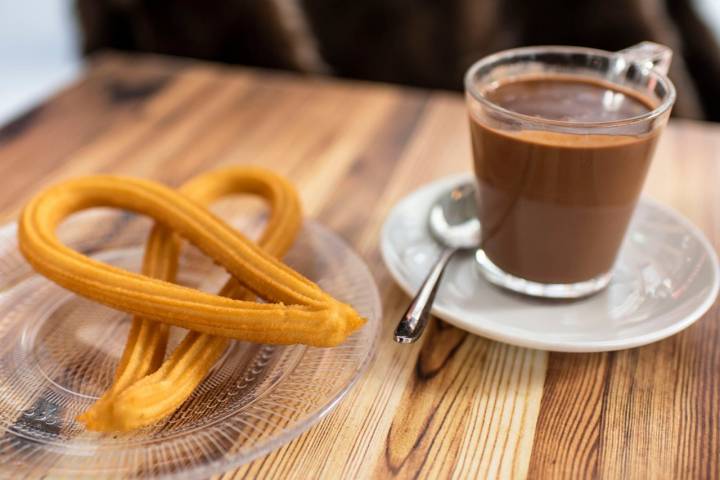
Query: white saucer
x=666 y=277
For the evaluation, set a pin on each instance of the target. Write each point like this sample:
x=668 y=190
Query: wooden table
x=453 y=404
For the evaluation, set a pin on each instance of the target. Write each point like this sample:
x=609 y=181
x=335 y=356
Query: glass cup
x=556 y=194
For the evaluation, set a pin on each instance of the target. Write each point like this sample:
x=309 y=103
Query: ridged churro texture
x=145 y=389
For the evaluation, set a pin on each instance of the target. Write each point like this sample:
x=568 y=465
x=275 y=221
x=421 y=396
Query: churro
x=301 y=312
x=131 y=402
x=145 y=388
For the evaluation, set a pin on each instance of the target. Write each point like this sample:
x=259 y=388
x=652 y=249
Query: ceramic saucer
x=665 y=278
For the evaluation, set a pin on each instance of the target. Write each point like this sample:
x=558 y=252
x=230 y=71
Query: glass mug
x=556 y=193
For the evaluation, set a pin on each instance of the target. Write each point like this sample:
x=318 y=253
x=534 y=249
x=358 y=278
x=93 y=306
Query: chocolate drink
x=554 y=207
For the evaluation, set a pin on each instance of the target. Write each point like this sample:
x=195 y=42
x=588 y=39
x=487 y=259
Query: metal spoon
x=454 y=223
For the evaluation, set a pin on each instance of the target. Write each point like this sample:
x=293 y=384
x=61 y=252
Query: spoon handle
x=418 y=313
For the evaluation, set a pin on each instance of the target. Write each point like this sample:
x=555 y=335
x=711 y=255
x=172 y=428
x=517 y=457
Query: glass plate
x=58 y=352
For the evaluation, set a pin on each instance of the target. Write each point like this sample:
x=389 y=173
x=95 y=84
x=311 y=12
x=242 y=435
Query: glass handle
x=648 y=54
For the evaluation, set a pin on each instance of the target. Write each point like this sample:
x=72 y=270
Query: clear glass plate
x=58 y=353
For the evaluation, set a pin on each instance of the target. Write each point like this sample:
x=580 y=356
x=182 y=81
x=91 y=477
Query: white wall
x=710 y=12
x=39 y=52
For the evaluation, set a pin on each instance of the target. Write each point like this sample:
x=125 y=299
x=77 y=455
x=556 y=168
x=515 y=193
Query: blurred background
x=425 y=43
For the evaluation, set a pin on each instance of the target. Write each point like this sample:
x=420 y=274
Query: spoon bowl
x=454 y=220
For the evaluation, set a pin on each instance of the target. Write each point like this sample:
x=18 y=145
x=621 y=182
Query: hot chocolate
x=554 y=207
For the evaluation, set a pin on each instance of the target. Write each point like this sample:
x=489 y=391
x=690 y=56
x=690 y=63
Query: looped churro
x=303 y=313
x=143 y=390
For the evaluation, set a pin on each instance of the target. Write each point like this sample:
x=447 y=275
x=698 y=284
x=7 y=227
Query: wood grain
x=650 y=412
x=454 y=405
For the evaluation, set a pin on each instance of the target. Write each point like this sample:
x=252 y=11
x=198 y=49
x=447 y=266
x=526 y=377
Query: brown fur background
x=426 y=43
